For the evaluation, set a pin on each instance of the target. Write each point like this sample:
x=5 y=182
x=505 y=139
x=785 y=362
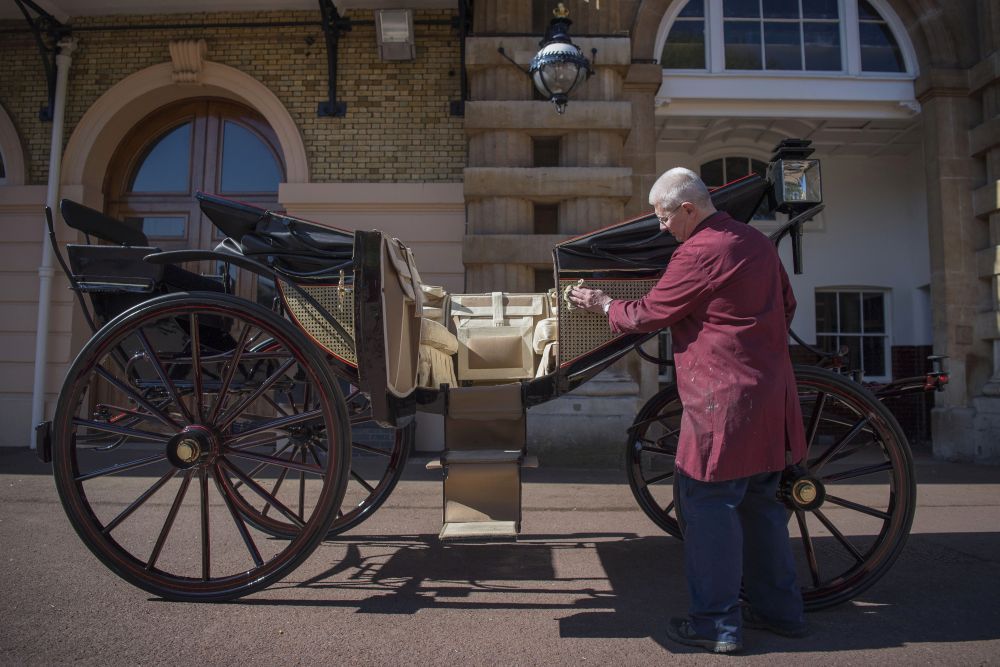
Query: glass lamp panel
x=685 y=46
x=879 y=50
x=742 y=45
x=559 y=78
x=247 y=163
x=782 y=46
x=800 y=182
x=850 y=312
x=822 y=46
x=166 y=167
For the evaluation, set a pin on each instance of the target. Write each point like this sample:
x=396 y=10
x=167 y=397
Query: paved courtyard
x=592 y=581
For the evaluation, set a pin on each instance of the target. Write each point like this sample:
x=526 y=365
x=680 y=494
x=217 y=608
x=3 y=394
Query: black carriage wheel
x=152 y=457
x=858 y=469
x=378 y=456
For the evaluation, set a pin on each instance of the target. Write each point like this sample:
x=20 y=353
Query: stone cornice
x=548 y=183
x=985 y=72
x=482 y=51
x=942 y=83
x=537 y=115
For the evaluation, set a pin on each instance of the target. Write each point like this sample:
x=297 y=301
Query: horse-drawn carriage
x=204 y=445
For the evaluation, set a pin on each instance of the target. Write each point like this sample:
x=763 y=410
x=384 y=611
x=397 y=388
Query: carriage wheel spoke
x=371 y=450
x=230 y=371
x=274 y=404
x=281 y=423
x=302 y=487
x=817 y=465
x=138 y=502
x=858 y=472
x=230 y=415
x=807 y=544
x=669 y=508
x=659 y=478
x=206 y=545
x=261 y=466
x=814 y=420
x=120 y=430
x=138 y=398
x=121 y=467
x=161 y=372
x=839 y=535
x=282 y=463
x=312 y=451
x=658 y=450
x=196 y=364
x=857 y=507
x=237 y=519
x=260 y=491
x=361 y=480
x=274 y=490
x=169 y=523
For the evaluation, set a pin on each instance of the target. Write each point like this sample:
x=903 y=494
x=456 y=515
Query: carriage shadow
x=940 y=590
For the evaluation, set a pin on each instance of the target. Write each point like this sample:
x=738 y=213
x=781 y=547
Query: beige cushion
x=550 y=358
x=546 y=331
x=437 y=336
x=435 y=368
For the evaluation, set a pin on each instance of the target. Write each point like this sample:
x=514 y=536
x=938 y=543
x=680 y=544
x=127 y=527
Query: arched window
x=207 y=144
x=725 y=169
x=847 y=36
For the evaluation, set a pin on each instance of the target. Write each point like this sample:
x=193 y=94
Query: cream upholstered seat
x=438 y=346
x=494 y=332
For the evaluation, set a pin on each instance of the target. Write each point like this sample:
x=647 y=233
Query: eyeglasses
x=665 y=219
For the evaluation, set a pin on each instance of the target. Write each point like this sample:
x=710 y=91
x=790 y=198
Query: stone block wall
x=397 y=129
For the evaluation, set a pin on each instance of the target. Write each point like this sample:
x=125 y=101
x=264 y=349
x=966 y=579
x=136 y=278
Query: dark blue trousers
x=737 y=532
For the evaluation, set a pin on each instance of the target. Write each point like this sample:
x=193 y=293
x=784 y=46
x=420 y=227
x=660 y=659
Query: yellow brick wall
x=397 y=126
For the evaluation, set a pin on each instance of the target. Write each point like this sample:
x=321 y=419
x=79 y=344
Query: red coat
x=728 y=303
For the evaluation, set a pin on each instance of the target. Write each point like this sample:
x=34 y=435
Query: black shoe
x=680 y=630
x=752 y=619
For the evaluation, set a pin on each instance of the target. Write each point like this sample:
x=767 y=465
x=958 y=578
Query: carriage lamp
x=795 y=177
x=559 y=66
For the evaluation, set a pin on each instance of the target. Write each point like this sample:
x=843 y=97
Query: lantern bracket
x=334 y=25
x=43 y=25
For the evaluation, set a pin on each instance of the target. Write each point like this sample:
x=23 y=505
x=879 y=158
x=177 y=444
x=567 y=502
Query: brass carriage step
x=479 y=530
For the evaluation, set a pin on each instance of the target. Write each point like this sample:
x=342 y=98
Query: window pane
x=866 y=11
x=167 y=165
x=247 y=164
x=819 y=9
x=160 y=227
x=781 y=9
x=693 y=8
x=853 y=344
x=827 y=343
x=826 y=311
x=873 y=350
x=874 y=312
x=685 y=47
x=740 y=9
x=850 y=312
x=712 y=174
x=737 y=167
x=879 y=50
x=265 y=292
x=545 y=151
x=782 y=46
x=742 y=45
x=822 y=46
x=758 y=167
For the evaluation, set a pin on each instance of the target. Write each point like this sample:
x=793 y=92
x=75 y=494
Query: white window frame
x=887 y=334
x=849 y=93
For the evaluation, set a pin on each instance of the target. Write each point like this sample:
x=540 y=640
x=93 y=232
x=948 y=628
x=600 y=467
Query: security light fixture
x=560 y=65
x=394 y=29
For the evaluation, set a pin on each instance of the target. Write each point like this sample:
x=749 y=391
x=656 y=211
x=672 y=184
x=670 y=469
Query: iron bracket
x=334 y=25
x=44 y=25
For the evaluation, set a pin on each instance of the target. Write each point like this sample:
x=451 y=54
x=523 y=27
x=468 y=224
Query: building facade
x=453 y=151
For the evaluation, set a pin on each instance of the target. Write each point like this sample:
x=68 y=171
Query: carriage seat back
x=495 y=334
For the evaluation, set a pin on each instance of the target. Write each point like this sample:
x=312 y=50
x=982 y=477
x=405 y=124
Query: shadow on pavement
x=940 y=590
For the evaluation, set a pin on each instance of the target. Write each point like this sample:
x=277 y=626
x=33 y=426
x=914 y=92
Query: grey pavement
x=592 y=581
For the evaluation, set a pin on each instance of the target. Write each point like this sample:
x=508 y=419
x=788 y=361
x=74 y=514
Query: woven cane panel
x=339 y=302
x=580 y=331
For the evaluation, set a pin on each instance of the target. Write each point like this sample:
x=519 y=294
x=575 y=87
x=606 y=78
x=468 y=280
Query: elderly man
x=728 y=303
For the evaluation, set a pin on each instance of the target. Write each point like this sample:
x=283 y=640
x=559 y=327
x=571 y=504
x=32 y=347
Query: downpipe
x=46 y=270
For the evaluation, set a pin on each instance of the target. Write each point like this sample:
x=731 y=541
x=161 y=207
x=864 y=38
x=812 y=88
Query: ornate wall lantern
x=560 y=65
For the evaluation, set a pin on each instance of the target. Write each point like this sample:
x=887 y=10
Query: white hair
x=679 y=185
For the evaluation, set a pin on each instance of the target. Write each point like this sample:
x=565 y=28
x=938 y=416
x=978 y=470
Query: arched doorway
x=209 y=145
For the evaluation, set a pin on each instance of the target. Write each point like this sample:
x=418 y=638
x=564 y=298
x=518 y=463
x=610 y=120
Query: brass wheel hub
x=193 y=445
x=806 y=493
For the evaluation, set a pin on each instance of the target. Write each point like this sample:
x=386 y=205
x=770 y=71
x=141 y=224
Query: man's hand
x=592 y=300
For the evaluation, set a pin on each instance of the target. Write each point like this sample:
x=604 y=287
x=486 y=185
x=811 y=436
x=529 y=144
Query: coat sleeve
x=787 y=295
x=679 y=291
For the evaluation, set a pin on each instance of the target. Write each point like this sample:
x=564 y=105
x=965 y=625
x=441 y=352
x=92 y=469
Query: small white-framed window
x=851 y=37
x=857 y=318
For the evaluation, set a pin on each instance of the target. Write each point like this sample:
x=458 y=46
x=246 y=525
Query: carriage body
x=283 y=409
